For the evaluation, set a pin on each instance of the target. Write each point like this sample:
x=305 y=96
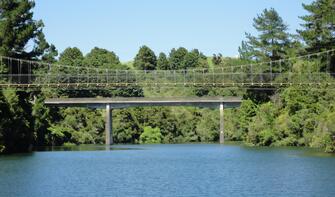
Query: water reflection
x=85 y=148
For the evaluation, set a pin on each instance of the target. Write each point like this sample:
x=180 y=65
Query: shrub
x=151 y=136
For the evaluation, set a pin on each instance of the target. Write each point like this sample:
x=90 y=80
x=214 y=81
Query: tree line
x=178 y=59
x=281 y=117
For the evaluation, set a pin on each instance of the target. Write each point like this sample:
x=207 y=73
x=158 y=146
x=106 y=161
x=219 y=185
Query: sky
x=122 y=26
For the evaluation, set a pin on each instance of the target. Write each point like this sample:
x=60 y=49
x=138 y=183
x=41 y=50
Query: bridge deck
x=228 y=102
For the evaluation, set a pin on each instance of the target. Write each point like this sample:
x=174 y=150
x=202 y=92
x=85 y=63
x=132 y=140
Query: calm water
x=169 y=170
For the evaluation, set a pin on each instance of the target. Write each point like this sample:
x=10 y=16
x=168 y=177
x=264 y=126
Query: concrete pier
x=221 y=123
x=109 y=126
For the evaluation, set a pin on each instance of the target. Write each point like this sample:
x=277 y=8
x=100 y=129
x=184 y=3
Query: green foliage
x=181 y=59
x=177 y=57
x=325 y=131
x=41 y=116
x=5 y=120
x=207 y=126
x=237 y=121
x=18 y=133
x=217 y=59
x=245 y=114
x=163 y=62
x=71 y=57
x=145 y=59
x=126 y=127
x=50 y=55
x=102 y=58
x=319 y=25
x=292 y=118
x=151 y=136
x=261 y=128
x=17 y=28
x=78 y=126
x=194 y=59
x=20 y=36
x=319 y=29
x=272 y=41
x=246 y=50
x=97 y=58
x=177 y=125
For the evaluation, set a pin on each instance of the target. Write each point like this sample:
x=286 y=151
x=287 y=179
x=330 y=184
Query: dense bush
x=151 y=136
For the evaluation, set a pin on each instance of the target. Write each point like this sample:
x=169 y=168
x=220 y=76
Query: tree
x=319 y=30
x=18 y=135
x=319 y=26
x=162 y=62
x=217 y=59
x=102 y=58
x=71 y=57
x=325 y=132
x=207 y=127
x=79 y=126
x=202 y=59
x=182 y=59
x=191 y=60
x=177 y=57
x=106 y=60
x=272 y=43
x=273 y=40
x=126 y=128
x=18 y=30
x=261 y=131
x=194 y=59
x=50 y=54
x=41 y=116
x=245 y=51
x=145 y=59
x=151 y=136
x=5 y=121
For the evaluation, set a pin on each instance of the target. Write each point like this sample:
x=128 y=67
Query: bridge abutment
x=109 y=125
x=221 y=123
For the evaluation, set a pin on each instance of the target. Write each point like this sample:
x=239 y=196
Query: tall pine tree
x=319 y=25
x=272 y=41
x=17 y=30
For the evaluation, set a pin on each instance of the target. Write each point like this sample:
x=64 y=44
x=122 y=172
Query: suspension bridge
x=310 y=70
x=19 y=73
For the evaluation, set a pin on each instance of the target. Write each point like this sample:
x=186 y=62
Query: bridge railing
x=16 y=72
x=155 y=78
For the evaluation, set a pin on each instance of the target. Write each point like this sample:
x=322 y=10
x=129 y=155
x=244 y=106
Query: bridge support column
x=221 y=123
x=108 y=126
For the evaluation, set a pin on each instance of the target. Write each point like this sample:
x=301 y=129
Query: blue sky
x=122 y=26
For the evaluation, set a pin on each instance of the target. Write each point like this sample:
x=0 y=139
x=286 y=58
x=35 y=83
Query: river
x=168 y=170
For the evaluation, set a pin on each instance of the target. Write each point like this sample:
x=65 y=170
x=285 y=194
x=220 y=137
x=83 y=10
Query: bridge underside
x=118 y=103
